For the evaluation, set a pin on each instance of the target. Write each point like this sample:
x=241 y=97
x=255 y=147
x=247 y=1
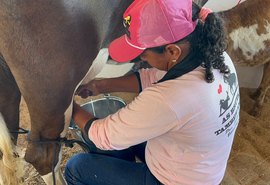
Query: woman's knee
x=74 y=166
x=75 y=160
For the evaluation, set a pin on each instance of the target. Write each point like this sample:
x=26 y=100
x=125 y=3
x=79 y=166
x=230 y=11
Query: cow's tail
x=11 y=165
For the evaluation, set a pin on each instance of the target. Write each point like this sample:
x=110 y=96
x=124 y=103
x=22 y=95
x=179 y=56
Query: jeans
x=110 y=168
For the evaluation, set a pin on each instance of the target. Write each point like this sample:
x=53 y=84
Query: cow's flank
x=248 y=26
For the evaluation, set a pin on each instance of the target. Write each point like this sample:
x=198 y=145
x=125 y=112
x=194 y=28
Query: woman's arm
x=129 y=83
x=80 y=116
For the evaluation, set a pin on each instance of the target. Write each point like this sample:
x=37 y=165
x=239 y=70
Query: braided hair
x=209 y=42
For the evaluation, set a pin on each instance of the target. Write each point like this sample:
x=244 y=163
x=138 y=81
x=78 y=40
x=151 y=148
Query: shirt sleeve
x=149 y=76
x=147 y=117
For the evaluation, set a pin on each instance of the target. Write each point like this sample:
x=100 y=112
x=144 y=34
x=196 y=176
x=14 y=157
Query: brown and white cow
x=248 y=26
x=46 y=49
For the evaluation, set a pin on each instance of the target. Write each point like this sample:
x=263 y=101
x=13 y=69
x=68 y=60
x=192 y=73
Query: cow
x=47 y=48
x=248 y=28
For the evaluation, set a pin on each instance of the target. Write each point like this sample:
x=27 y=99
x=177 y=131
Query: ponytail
x=209 y=40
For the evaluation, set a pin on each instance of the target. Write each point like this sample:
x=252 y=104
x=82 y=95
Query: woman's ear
x=174 y=51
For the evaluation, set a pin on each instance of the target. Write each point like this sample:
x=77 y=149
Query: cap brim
x=121 y=51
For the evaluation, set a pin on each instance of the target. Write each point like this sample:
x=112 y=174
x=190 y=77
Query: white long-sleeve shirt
x=189 y=125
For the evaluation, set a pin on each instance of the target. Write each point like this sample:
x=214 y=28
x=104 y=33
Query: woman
x=184 y=119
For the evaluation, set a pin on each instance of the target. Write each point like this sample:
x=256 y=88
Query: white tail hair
x=11 y=165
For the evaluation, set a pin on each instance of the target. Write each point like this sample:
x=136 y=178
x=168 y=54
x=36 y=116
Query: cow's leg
x=10 y=97
x=48 y=155
x=260 y=93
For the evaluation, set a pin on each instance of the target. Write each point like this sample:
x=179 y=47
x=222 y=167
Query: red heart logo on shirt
x=219 y=89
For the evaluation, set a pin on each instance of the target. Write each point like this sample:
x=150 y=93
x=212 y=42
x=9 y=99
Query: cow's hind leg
x=10 y=98
x=260 y=93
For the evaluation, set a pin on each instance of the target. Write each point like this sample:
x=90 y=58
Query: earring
x=173 y=61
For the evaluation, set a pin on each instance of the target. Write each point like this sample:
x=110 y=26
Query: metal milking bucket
x=100 y=108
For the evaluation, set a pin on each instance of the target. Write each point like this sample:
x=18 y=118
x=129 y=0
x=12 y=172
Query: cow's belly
x=222 y=5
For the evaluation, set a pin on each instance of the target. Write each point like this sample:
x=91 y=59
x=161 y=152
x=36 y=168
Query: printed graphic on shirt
x=229 y=104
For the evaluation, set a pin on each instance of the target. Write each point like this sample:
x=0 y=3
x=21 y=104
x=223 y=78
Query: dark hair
x=209 y=42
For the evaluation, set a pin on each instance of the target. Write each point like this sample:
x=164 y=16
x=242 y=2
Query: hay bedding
x=249 y=163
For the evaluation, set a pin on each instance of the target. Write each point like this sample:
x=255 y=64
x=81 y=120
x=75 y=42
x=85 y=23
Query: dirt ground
x=249 y=162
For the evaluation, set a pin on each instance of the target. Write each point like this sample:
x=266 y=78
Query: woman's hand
x=89 y=89
x=80 y=116
x=129 y=83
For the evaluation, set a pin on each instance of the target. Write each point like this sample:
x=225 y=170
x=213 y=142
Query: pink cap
x=152 y=23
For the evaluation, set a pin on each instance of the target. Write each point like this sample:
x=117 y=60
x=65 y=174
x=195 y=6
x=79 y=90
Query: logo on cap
x=126 y=23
